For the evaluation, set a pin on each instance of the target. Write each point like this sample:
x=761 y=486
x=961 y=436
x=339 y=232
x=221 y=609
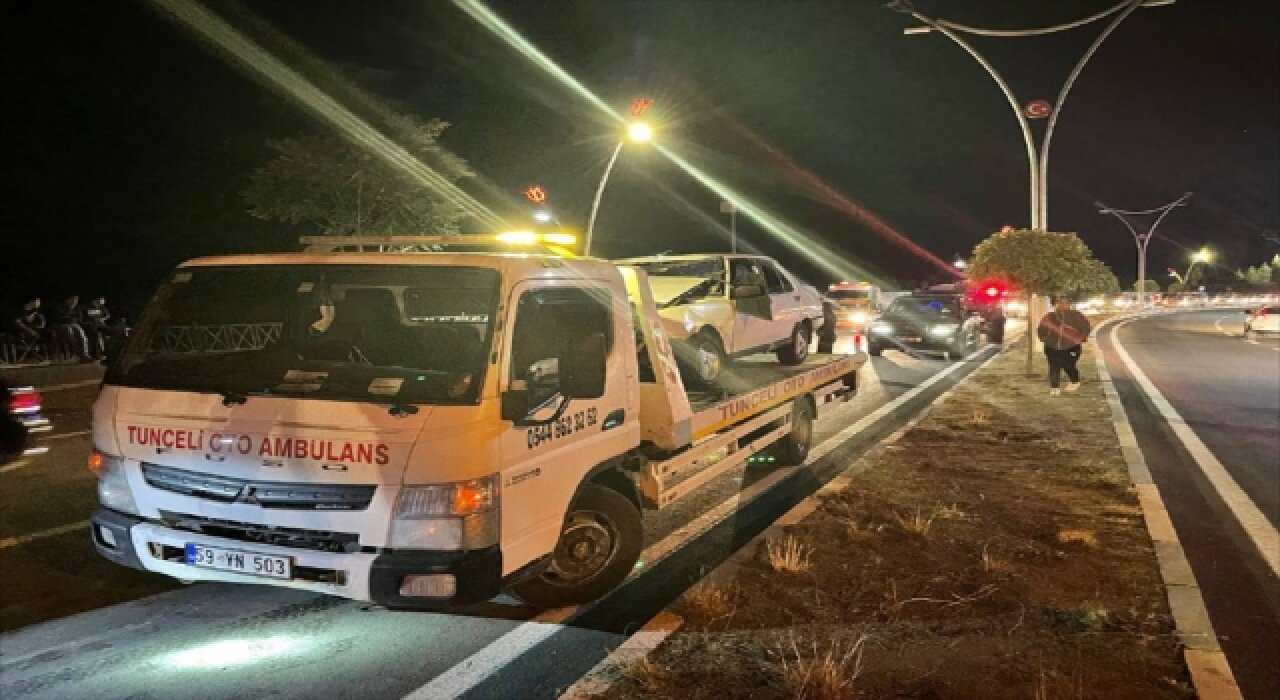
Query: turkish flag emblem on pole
x=1038 y=109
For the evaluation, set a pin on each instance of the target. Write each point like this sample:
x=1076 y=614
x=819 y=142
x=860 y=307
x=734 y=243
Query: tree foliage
x=1261 y=274
x=1042 y=263
x=341 y=188
x=1177 y=287
x=1150 y=286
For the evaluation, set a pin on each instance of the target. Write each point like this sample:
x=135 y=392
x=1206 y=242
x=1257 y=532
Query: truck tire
x=793 y=449
x=796 y=349
x=596 y=551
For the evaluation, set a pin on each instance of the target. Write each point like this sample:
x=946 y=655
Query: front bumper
x=926 y=343
x=368 y=576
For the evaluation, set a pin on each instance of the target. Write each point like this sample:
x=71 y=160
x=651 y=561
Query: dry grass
x=1086 y=537
x=788 y=555
x=828 y=675
x=710 y=600
x=951 y=512
x=916 y=523
x=980 y=416
x=647 y=674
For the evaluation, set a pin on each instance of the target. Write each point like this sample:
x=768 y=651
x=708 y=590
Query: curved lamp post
x=1143 y=239
x=638 y=132
x=1037 y=163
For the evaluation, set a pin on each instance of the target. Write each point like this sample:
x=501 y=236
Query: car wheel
x=797 y=347
x=597 y=549
x=707 y=358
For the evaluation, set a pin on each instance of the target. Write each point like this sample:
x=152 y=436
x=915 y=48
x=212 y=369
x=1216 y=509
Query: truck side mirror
x=583 y=369
x=515 y=403
x=747 y=291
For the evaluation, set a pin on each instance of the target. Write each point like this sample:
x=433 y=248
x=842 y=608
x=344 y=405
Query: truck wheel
x=875 y=350
x=796 y=348
x=597 y=548
x=793 y=449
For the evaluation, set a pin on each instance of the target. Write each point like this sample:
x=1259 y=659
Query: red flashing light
x=24 y=401
x=535 y=194
x=993 y=292
x=640 y=105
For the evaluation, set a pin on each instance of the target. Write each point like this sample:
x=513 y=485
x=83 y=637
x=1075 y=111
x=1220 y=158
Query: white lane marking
x=1218 y=324
x=69 y=385
x=63 y=436
x=476 y=668
x=51 y=532
x=1246 y=512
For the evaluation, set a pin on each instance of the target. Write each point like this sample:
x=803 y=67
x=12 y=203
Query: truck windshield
x=847 y=294
x=394 y=334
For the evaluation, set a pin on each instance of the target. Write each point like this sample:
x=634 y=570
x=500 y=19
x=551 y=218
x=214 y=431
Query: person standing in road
x=1063 y=330
x=97 y=325
x=29 y=322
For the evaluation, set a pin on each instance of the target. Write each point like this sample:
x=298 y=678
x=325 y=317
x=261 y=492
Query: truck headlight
x=457 y=516
x=858 y=317
x=881 y=328
x=113 y=483
x=943 y=329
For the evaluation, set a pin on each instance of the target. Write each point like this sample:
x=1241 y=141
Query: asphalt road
x=1227 y=390
x=110 y=632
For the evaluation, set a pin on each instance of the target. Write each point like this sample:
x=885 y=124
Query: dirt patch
x=996 y=551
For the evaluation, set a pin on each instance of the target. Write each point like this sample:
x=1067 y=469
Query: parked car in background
x=1263 y=321
x=927 y=321
x=717 y=307
x=21 y=424
x=859 y=302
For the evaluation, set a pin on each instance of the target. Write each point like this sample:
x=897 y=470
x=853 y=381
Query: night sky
x=128 y=140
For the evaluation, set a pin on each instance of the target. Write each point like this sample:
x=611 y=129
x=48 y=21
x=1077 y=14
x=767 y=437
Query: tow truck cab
x=858 y=302
x=420 y=430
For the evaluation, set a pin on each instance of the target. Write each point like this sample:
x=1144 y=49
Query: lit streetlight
x=960 y=263
x=542 y=216
x=1143 y=239
x=1200 y=256
x=1037 y=164
x=637 y=132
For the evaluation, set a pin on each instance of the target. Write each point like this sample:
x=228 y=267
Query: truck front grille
x=268 y=494
x=321 y=540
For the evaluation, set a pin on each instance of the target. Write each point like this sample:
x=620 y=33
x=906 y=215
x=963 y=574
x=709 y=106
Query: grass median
x=996 y=550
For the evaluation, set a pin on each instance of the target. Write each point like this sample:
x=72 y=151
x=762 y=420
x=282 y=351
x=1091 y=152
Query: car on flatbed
x=419 y=430
x=720 y=307
x=1262 y=321
x=929 y=322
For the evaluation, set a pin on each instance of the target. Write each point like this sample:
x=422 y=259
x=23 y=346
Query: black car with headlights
x=927 y=322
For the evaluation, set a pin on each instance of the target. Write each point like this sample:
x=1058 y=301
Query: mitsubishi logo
x=246 y=495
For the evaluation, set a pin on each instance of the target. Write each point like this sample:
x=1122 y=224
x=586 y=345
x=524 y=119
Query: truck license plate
x=239 y=562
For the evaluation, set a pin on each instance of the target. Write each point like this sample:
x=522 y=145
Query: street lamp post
x=638 y=132
x=1200 y=256
x=1141 y=240
x=1037 y=163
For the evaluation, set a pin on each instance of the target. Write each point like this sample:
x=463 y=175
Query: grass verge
x=997 y=550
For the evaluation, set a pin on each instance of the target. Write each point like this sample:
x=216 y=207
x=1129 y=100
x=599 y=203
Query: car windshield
x=412 y=334
x=680 y=281
x=924 y=307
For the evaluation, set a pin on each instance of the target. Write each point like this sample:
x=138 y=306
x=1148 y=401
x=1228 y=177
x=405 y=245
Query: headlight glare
x=943 y=329
x=113 y=483
x=881 y=328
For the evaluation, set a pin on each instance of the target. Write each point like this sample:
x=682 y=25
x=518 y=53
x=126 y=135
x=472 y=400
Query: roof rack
x=561 y=243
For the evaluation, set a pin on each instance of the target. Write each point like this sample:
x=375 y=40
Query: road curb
x=1210 y=673
x=598 y=681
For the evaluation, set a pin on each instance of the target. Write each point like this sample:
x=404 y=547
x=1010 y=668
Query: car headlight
x=113 y=482
x=881 y=328
x=858 y=317
x=458 y=516
x=943 y=329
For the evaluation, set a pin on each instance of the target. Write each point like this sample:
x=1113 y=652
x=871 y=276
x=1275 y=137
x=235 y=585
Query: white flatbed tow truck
x=422 y=430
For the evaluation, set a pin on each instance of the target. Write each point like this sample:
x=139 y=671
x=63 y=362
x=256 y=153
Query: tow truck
x=422 y=430
x=858 y=302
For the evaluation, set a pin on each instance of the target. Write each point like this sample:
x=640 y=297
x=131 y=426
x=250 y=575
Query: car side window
x=775 y=282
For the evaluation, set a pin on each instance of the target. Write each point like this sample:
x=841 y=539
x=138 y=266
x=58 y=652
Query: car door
x=785 y=300
x=752 y=316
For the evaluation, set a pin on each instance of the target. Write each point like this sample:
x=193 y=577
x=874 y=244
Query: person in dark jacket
x=827 y=333
x=97 y=325
x=1063 y=331
x=29 y=322
x=68 y=323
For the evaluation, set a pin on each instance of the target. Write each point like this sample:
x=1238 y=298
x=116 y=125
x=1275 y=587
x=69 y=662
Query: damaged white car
x=722 y=306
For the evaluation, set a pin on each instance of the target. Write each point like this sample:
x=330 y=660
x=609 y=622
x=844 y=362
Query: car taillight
x=1261 y=313
x=24 y=401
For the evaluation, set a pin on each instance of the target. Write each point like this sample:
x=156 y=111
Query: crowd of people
x=85 y=332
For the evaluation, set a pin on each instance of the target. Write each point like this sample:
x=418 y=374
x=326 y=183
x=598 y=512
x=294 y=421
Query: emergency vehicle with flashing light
x=858 y=302
x=419 y=429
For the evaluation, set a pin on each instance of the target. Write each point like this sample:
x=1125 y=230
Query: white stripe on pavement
x=51 y=532
x=1255 y=524
x=63 y=436
x=478 y=667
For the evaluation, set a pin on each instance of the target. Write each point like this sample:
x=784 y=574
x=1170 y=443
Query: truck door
x=544 y=462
